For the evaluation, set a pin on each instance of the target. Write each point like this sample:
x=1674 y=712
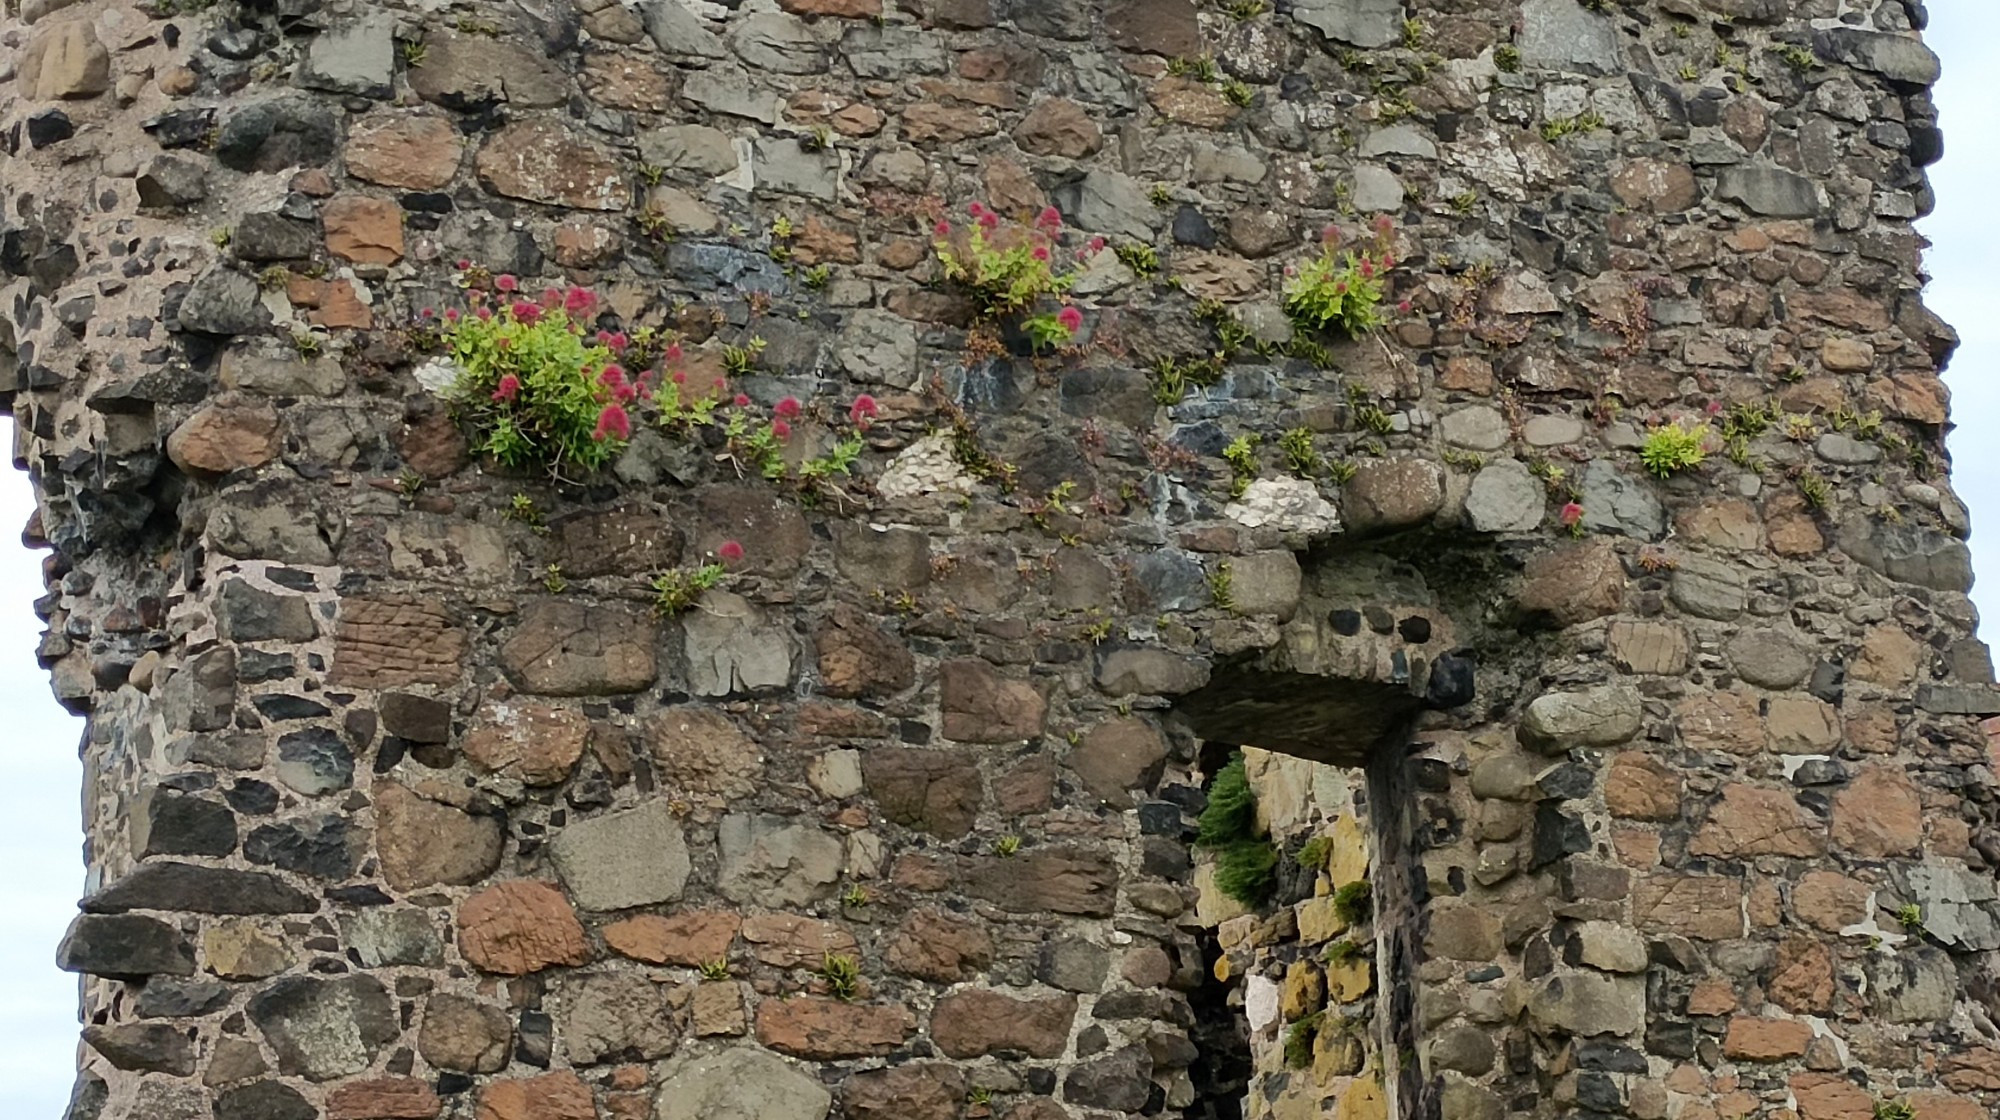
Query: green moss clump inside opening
x=1299 y=1040
x=1245 y=862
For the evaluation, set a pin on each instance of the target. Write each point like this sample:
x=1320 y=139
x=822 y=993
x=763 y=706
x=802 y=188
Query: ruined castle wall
x=1591 y=787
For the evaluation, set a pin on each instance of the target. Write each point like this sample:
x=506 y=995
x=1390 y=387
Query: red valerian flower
x=673 y=352
x=1050 y=218
x=781 y=429
x=1041 y=252
x=1097 y=244
x=862 y=411
x=680 y=377
x=942 y=228
x=506 y=283
x=613 y=376
x=510 y=387
x=976 y=209
x=1571 y=513
x=1367 y=267
x=578 y=300
x=451 y=314
x=612 y=423
x=526 y=312
x=742 y=400
x=730 y=552
x=1070 y=318
x=989 y=220
x=463 y=264
x=552 y=298
x=1330 y=235
x=1404 y=307
x=1384 y=223
x=787 y=408
x=430 y=312
x=485 y=314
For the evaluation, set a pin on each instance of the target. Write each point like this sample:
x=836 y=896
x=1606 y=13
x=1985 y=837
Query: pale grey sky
x=39 y=776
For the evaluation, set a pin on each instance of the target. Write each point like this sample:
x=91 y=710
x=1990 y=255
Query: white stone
x=925 y=467
x=1260 y=1002
x=1292 y=505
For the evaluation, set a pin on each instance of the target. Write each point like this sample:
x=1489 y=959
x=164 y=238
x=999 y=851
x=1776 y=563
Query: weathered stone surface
x=423 y=842
x=1765 y=1040
x=124 y=946
x=565 y=648
x=1362 y=23
x=1057 y=126
x=1562 y=35
x=1769 y=658
x=981 y=706
x=143 y=1047
x=1708 y=907
x=1387 y=494
x=975 y=1022
x=520 y=927
x=1749 y=821
x=1769 y=191
x=699 y=751
x=1599 y=717
x=465 y=1035
x=323 y=1029
x=1639 y=787
x=1117 y=757
x=201 y=890
x=858 y=659
x=1064 y=880
x=939 y=792
x=938 y=946
x=1879 y=814
x=617 y=1016
x=552 y=1096
x=395 y=641
x=415 y=151
x=1590 y=1003
x=691 y=939
x=1572 y=584
x=64 y=60
x=388 y=1098
x=225 y=437
x=471 y=71
x=770 y=862
x=740 y=1084
x=916 y=1091
x=796 y=941
x=824 y=1029
x=542 y=162
x=1505 y=498
x=635 y=857
x=535 y=743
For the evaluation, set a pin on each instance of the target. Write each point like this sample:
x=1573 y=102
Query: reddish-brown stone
x=391 y=1098
x=845 y=9
x=364 y=230
x=857 y=658
x=229 y=435
x=541 y=161
x=827 y=1029
x=1638 y=787
x=423 y=842
x=1829 y=901
x=536 y=744
x=795 y=940
x=520 y=927
x=914 y=1091
x=1765 y=1040
x=981 y=706
x=1119 y=756
x=978 y=1021
x=1573 y=583
x=939 y=946
x=937 y=791
x=1661 y=186
x=552 y=1096
x=693 y=939
x=1802 y=979
x=1826 y=1096
x=1057 y=126
x=1879 y=814
x=1708 y=907
x=1753 y=821
x=931 y=123
x=416 y=151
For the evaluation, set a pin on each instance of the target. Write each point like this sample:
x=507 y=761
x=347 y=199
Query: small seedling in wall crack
x=842 y=976
x=1911 y=917
x=1006 y=846
x=552 y=578
x=1221 y=586
x=1895 y=1110
x=1241 y=455
x=717 y=969
x=855 y=896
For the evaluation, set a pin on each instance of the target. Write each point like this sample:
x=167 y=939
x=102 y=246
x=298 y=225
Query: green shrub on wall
x=1245 y=860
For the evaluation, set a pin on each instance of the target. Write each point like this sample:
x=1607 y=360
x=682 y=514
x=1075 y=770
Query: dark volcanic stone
x=284 y=132
x=419 y=719
x=143 y=1047
x=200 y=890
x=317 y=846
x=50 y=126
x=323 y=1029
x=180 y=999
x=172 y=824
x=264 y=1100
x=124 y=946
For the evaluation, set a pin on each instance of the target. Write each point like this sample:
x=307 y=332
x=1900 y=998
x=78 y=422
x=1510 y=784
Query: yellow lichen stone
x=1363 y=1099
x=1303 y=992
x=1348 y=861
x=1319 y=920
x=1349 y=980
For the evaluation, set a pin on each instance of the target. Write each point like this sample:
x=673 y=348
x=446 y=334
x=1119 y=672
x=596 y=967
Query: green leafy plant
x=532 y=386
x=1911 y=917
x=717 y=969
x=1672 y=448
x=1005 y=270
x=842 y=976
x=677 y=589
x=1341 y=290
x=1246 y=861
x=1243 y=10
x=855 y=895
x=1798 y=58
x=1414 y=31
x=413 y=53
x=1342 y=951
x=1555 y=128
x=554 y=580
x=1300 y=1038
x=1201 y=69
x=1241 y=455
x=1222 y=586
x=1367 y=414
x=1895 y=1110
x=1142 y=259
x=1507 y=57
x=1354 y=902
x=1301 y=457
x=1314 y=852
x=1006 y=846
x=979 y=1094
x=1238 y=92
x=739 y=360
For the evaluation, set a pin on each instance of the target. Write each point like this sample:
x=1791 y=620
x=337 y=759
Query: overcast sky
x=39 y=777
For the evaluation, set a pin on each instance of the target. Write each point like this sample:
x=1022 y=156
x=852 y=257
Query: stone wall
x=1667 y=787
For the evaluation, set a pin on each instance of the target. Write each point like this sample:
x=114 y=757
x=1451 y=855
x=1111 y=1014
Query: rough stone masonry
x=1593 y=793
